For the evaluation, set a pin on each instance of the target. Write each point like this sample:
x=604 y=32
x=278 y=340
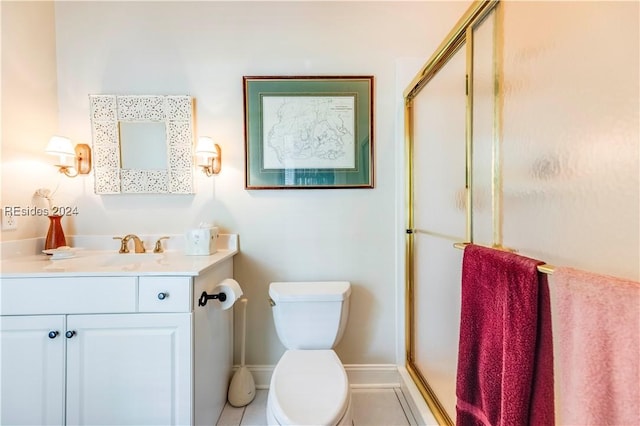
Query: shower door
x=451 y=120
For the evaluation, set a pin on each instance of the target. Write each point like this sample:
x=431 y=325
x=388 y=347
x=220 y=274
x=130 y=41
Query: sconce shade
x=206 y=147
x=61 y=146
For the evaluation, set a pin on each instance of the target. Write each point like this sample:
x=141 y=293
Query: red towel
x=505 y=355
x=598 y=348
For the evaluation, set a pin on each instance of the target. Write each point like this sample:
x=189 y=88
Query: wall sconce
x=209 y=156
x=78 y=158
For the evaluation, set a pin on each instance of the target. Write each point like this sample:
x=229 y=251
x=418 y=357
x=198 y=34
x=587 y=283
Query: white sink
x=126 y=259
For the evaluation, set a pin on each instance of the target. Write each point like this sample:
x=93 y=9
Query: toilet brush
x=242 y=388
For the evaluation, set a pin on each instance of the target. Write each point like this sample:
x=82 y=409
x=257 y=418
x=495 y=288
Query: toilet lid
x=309 y=387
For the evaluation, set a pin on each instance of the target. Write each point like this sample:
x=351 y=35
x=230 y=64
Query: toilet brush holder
x=242 y=388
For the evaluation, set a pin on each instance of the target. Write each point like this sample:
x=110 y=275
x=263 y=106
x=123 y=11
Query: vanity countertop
x=87 y=262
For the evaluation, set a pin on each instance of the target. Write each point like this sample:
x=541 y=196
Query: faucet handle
x=123 y=245
x=158 y=248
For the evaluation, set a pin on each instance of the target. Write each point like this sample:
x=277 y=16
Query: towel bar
x=544 y=268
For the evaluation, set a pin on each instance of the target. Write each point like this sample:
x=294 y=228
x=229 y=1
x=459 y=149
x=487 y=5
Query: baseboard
x=373 y=375
x=415 y=400
x=360 y=375
x=261 y=374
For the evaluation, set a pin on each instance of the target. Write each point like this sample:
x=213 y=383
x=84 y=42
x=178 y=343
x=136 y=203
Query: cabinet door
x=32 y=370
x=129 y=369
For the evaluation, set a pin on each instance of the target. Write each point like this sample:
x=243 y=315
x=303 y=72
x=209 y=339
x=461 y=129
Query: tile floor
x=371 y=407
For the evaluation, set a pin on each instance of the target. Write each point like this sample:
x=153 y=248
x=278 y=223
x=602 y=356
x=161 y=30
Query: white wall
x=203 y=49
x=29 y=107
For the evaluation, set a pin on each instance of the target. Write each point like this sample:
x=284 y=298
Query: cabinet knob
x=70 y=334
x=53 y=334
x=163 y=295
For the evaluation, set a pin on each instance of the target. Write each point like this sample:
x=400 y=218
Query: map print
x=308 y=132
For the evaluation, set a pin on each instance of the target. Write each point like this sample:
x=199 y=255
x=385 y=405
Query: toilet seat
x=309 y=387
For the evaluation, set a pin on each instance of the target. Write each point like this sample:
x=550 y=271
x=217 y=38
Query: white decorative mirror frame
x=176 y=112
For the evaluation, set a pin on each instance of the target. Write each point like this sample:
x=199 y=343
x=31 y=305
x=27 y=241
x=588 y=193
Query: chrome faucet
x=124 y=246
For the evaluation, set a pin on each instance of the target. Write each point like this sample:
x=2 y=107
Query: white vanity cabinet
x=33 y=372
x=128 y=350
x=129 y=369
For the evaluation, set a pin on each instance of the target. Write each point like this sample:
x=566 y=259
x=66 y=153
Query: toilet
x=309 y=385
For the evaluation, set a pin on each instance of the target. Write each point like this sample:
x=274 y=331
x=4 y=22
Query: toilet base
x=346 y=420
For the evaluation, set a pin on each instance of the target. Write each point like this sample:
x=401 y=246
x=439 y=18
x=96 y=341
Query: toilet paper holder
x=228 y=291
x=205 y=297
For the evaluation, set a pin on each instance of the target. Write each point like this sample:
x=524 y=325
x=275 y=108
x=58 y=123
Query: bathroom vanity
x=108 y=338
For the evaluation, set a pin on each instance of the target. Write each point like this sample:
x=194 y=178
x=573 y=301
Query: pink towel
x=505 y=355
x=598 y=326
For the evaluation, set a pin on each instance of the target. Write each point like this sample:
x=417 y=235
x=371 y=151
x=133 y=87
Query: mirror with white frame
x=142 y=144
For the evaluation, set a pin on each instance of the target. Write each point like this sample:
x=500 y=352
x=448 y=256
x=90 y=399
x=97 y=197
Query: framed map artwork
x=308 y=132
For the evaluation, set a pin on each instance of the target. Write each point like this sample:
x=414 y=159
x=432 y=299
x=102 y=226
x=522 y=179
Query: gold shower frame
x=461 y=34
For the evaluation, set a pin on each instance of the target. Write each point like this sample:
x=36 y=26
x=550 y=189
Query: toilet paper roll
x=231 y=289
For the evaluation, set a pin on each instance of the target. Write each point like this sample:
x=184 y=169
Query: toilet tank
x=310 y=315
